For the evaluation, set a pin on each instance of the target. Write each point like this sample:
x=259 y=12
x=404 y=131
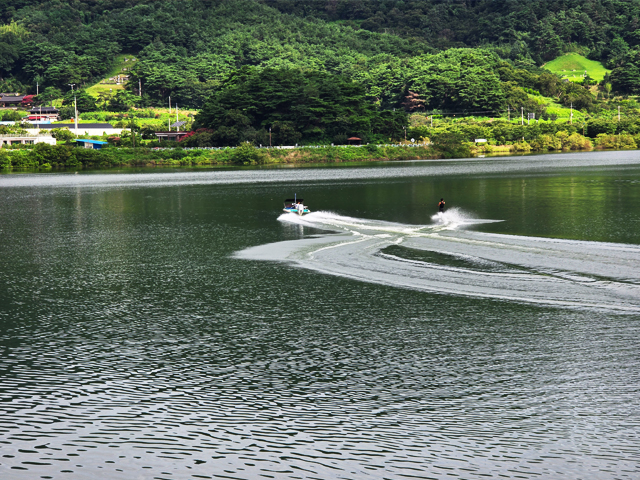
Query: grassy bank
x=44 y=157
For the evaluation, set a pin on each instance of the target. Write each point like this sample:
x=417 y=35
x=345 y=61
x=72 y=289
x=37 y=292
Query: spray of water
x=455 y=218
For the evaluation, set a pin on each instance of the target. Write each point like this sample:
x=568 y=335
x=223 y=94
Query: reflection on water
x=135 y=344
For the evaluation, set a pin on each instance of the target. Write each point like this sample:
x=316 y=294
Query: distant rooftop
x=95 y=142
x=44 y=110
x=12 y=98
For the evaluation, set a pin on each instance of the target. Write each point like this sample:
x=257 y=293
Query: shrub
x=521 y=147
x=371 y=148
x=67 y=113
x=5 y=161
x=93 y=116
x=202 y=137
x=12 y=116
x=52 y=154
x=247 y=154
x=623 y=140
x=62 y=134
x=575 y=141
x=544 y=143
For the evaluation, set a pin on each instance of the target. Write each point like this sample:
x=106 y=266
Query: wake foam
x=566 y=273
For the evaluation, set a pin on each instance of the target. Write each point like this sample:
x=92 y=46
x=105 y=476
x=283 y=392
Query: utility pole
x=139 y=87
x=169 y=104
x=75 y=108
x=72 y=84
x=618 y=113
x=521 y=115
x=178 y=126
x=269 y=137
x=169 y=123
x=37 y=89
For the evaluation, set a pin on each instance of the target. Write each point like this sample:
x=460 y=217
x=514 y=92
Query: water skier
x=441 y=206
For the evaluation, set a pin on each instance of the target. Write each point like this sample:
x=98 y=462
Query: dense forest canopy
x=284 y=106
x=468 y=56
x=524 y=30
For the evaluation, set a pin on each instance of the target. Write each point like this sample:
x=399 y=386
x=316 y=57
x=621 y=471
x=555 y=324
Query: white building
x=26 y=139
x=83 y=128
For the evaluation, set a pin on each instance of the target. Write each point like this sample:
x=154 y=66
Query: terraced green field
x=573 y=67
x=108 y=84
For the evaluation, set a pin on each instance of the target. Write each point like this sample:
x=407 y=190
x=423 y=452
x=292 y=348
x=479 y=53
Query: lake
x=175 y=324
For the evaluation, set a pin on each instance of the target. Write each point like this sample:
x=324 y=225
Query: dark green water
x=134 y=344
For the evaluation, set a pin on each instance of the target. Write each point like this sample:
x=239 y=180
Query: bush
x=62 y=134
x=450 y=145
x=371 y=148
x=5 y=161
x=340 y=139
x=67 y=113
x=521 y=147
x=615 y=141
x=544 y=143
x=100 y=116
x=12 y=116
x=575 y=141
x=202 y=137
x=51 y=154
x=147 y=113
x=247 y=154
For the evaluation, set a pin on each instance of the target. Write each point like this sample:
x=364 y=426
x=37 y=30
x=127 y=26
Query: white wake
x=443 y=257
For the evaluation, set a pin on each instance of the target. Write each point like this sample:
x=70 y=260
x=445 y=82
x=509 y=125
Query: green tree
x=62 y=134
x=48 y=95
x=84 y=101
x=123 y=101
x=296 y=105
x=626 y=78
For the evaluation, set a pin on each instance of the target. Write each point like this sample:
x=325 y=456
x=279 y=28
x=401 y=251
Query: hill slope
x=573 y=67
x=398 y=51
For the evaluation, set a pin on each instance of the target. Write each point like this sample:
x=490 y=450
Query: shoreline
x=47 y=158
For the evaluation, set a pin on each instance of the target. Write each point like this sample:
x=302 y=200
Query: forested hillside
x=523 y=30
x=466 y=56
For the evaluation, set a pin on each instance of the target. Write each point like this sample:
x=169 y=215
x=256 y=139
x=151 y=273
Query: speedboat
x=295 y=205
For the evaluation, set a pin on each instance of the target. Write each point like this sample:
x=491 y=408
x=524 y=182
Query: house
x=43 y=114
x=94 y=144
x=9 y=100
x=26 y=139
x=175 y=136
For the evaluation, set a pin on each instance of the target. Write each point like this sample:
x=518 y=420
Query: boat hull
x=295 y=210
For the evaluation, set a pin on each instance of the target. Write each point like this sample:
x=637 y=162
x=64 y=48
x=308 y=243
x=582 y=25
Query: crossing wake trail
x=445 y=257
